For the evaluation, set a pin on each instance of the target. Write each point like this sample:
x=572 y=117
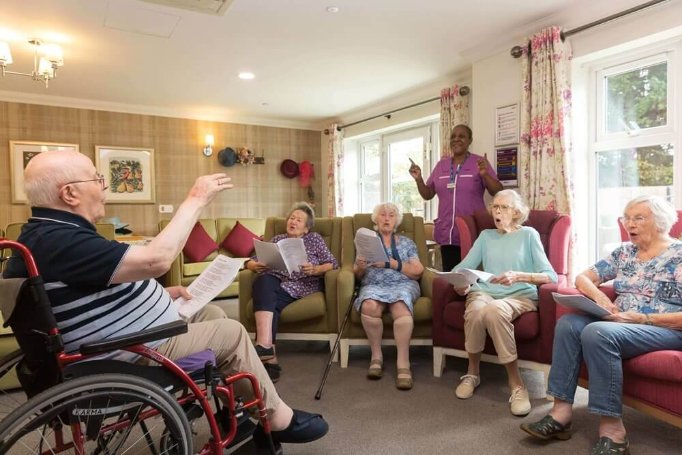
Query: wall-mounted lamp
x=208 y=148
x=46 y=59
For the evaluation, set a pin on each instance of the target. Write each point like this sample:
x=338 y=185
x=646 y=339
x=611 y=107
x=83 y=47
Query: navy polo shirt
x=77 y=265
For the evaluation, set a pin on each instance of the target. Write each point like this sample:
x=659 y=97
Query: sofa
x=652 y=383
x=184 y=270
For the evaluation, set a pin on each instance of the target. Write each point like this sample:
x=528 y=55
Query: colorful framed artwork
x=20 y=153
x=128 y=173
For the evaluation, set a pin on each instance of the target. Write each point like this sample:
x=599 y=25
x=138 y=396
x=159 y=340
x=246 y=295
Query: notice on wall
x=507 y=125
x=507 y=166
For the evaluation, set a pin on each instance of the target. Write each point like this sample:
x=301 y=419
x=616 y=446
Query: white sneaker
x=520 y=404
x=465 y=389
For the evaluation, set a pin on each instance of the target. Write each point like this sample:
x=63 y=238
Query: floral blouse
x=653 y=286
x=298 y=285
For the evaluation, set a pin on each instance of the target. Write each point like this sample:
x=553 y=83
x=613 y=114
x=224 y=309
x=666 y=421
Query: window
x=376 y=169
x=635 y=144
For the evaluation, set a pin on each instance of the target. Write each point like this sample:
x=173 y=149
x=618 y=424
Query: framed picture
x=20 y=153
x=128 y=173
x=507 y=125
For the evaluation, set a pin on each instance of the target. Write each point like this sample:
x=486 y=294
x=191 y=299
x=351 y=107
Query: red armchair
x=652 y=383
x=534 y=332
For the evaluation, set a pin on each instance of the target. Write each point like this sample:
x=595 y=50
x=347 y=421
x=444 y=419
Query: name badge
x=451 y=185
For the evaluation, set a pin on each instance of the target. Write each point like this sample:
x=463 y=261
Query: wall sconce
x=208 y=148
x=46 y=59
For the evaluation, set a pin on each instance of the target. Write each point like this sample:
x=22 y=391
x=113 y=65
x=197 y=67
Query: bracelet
x=532 y=278
x=648 y=320
x=400 y=265
x=387 y=264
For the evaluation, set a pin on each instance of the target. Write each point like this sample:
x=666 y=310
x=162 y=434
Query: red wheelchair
x=104 y=406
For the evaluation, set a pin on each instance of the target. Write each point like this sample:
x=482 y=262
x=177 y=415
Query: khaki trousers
x=211 y=329
x=486 y=314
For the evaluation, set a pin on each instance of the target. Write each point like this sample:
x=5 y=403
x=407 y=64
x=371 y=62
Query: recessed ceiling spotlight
x=333 y=9
x=247 y=76
x=265 y=104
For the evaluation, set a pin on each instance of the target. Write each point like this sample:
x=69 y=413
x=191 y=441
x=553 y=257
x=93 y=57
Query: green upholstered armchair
x=314 y=317
x=183 y=271
x=354 y=334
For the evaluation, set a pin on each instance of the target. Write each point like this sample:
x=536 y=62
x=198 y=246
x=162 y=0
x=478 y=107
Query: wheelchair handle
x=25 y=253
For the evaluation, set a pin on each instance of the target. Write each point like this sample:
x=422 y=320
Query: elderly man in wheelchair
x=101 y=303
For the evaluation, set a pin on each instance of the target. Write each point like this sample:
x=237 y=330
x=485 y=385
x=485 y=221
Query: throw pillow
x=239 y=242
x=199 y=244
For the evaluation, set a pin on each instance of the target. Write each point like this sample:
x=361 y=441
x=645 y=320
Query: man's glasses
x=500 y=207
x=100 y=179
x=639 y=219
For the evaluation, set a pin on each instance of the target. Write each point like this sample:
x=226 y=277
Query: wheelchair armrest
x=155 y=333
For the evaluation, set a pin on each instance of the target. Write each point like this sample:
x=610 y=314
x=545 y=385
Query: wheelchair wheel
x=10 y=396
x=100 y=414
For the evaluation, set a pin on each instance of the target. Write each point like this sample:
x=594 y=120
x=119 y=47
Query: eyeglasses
x=100 y=179
x=501 y=208
x=639 y=219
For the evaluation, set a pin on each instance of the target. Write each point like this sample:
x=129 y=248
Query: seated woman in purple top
x=273 y=290
x=460 y=181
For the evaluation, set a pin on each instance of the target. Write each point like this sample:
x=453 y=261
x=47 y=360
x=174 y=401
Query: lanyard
x=454 y=173
x=394 y=248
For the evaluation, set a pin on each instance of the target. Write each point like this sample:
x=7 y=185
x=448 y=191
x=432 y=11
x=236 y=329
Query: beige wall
x=260 y=190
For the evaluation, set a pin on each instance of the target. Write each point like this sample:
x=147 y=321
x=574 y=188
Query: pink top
x=468 y=195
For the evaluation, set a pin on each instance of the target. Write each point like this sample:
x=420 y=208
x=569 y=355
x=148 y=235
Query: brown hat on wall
x=289 y=169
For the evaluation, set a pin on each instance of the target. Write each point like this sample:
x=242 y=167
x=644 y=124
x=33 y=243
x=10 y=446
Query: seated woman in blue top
x=514 y=254
x=391 y=285
x=646 y=316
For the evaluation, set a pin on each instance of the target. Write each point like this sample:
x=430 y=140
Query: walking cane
x=318 y=395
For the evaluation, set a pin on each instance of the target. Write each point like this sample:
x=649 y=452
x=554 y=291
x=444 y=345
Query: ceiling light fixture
x=46 y=59
x=247 y=76
x=333 y=9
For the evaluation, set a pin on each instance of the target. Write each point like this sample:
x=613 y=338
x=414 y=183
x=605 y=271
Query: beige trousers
x=486 y=314
x=210 y=328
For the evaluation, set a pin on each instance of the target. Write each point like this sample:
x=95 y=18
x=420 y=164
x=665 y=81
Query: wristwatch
x=648 y=319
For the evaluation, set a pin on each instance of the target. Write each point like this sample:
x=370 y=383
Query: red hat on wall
x=305 y=173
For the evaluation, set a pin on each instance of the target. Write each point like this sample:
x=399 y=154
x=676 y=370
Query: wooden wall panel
x=260 y=190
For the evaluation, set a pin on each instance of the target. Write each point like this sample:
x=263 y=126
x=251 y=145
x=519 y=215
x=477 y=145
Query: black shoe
x=606 y=446
x=265 y=353
x=304 y=427
x=273 y=370
x=548 y=428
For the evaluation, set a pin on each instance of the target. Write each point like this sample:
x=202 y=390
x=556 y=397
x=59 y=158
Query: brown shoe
x=548 y=428
x=403 y=379
x=376 y=369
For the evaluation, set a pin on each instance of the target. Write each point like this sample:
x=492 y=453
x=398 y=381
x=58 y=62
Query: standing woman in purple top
x=273 y=290
x=460 y=182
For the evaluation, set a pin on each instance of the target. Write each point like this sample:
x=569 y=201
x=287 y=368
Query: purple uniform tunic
x=468 y=195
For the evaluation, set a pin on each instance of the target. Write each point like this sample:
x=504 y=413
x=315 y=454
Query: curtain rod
x=463 y=91
x=517 y=51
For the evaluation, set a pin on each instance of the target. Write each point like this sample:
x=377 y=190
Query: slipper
x=376 y=369
x=304 y=427
x=273 y=370
x=265 y=353
x=405 y=382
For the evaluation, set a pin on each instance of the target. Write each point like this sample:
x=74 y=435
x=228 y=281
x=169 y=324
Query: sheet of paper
x=368 y=245
x=581 y=302
x=212 y=281
x=268 y=253
x=462 y=278
x=294 y=254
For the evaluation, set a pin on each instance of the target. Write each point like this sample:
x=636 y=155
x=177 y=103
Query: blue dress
x=389 y=285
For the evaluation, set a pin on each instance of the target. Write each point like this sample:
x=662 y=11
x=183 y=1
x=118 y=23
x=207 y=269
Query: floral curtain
x=545 y=150
x=334 y=182
x=454 y=110
x=545 y=145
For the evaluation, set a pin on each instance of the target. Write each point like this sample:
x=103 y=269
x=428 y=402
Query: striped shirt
x=77 y=266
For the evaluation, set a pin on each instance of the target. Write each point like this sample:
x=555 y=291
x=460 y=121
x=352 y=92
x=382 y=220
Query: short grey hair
x=519 y=206
x=665 y=215
x=388 y=206
x=43 y=190
x=308 y=210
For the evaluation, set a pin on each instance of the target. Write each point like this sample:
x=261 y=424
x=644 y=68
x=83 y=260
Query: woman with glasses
x=514 y=255
x=646 y=316
x=460 y=180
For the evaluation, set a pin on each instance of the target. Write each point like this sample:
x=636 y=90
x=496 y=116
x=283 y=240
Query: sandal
x=548 y=428
x=405 y=382
x=606 y=446
x=376 y=369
